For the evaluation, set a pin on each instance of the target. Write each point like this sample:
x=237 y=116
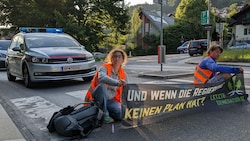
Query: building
x=151 y=25
x=241 y=24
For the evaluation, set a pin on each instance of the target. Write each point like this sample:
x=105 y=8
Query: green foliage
x=173 y=34
x=134 y=27
x=232 y=11
x=235 y=55
x=190 y=10
x=85 y=20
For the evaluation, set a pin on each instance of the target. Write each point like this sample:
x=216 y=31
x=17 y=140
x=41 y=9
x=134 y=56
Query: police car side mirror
x=16 y=49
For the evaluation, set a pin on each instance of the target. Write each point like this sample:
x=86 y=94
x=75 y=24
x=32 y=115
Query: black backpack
x=73 y=122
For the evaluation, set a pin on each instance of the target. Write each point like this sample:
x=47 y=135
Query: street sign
x=207 y=26
x=204 y=17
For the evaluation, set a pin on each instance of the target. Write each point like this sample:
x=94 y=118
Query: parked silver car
x=4 y=44
x=99 y=55
x=37 y=54
x=240 y=45
x=183 y=48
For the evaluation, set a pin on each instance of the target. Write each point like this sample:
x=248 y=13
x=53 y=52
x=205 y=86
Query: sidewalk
x=8 y=130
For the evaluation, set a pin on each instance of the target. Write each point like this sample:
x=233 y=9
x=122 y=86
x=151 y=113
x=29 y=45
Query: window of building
x=146 y=28
x=246 y=31
x=248 y=15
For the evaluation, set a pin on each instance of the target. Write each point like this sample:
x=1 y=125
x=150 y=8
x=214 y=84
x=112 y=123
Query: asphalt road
x=229 y=124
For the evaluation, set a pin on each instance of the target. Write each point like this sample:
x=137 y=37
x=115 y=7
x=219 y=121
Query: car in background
x=183 y=48
x=4 y=44
x=240 y=45
x=99 y=55
x=197 y=47
x=43 y=54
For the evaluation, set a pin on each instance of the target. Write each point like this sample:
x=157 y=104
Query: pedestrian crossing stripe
x=36 y=107
x=78 y=94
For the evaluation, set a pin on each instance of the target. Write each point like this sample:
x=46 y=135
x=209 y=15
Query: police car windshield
x=50 y=40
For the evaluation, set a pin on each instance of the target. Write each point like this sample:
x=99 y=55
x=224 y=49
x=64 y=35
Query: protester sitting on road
x=107 y=85
x=208 y=71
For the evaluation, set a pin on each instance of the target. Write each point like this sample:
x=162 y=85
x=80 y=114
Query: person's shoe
x=107 y=119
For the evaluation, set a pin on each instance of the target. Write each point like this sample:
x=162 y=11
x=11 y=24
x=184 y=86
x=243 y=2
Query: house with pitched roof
x=240 y=24
x=151 y=25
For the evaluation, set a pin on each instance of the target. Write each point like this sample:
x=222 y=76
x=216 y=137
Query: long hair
x=111 y=54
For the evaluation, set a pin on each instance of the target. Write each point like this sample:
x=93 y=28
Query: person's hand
x=122 y=82
x=241 y=70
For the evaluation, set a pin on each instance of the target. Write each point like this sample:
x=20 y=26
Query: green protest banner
x=148 y=103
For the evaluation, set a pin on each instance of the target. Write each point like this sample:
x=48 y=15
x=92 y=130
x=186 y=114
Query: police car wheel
x=26 y=78
x=9 y=76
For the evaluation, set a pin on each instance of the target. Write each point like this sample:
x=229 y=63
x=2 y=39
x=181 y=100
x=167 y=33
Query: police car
x=43 y=54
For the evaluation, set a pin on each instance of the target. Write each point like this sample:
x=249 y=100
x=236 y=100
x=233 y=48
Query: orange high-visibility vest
x=201 y=76
x=95 y=82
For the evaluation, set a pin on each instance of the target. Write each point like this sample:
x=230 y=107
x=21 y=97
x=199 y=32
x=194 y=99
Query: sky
x=134 y=2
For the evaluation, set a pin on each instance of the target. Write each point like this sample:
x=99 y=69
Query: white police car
x=42 y=54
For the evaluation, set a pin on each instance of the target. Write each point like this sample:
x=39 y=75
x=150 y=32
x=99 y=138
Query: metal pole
x=161 y=36
x=208 y=22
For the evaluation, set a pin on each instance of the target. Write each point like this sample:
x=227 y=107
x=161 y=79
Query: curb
x=9 y=131
x=164 y=74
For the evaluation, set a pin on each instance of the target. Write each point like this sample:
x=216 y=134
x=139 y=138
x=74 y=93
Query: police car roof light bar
x=34 y=29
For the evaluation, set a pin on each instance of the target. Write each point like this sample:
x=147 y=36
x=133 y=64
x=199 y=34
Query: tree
x=190 y=10
x=83 y=19
x=135 y=24
x=30 y=12
x=232 y=10
x=187 y=24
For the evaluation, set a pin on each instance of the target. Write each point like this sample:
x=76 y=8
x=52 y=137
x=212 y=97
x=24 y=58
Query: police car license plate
x=71 y=68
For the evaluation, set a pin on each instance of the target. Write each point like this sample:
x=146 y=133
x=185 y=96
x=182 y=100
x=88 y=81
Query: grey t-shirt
x=112 y=81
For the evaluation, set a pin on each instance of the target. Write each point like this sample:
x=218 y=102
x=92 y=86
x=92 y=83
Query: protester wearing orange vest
x=208 y=71
x=107 y=85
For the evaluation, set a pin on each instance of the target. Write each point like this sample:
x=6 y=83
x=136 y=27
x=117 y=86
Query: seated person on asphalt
x=208 y=71
x=107 y=85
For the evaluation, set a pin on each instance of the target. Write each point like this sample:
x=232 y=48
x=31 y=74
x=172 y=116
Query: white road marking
x=36 y=107
x=78 y=94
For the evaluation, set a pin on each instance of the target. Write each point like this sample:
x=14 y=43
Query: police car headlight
x=90 y=57
x=39 y=60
